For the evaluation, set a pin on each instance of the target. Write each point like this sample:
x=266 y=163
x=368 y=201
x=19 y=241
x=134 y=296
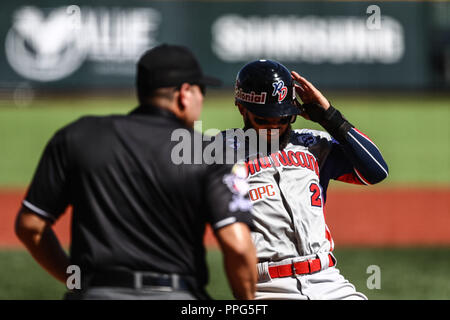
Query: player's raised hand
x=307 y=92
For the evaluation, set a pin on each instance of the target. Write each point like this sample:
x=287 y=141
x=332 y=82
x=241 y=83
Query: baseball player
x=288 y=185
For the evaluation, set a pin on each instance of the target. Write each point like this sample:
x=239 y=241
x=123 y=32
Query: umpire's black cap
x=169 y=66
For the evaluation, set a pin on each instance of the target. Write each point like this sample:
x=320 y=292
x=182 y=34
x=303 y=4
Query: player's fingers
x=305 y=84
x=301 y=92
x=298 y=89
x=295 y=75
x=307 y=92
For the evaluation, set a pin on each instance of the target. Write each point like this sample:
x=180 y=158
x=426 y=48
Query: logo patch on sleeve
x=306 y=139
x=237 y=183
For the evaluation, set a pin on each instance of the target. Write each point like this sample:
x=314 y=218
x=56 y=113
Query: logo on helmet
x=279 y=89
x=251 y=97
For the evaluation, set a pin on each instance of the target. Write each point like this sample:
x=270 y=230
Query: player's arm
x=36 y=233
x=230 y=218
x=367 y=163
x=46 y=199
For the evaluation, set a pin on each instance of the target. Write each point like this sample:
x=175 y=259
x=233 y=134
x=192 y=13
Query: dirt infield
x=377 y=217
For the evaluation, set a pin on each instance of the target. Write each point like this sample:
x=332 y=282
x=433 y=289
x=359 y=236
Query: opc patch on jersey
x=262 y=192
x=279 y=89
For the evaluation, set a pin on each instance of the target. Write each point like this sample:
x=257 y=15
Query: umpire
x=138 y=219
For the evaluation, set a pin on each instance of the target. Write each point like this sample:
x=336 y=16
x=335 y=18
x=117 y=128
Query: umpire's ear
x=189 y=103
x=183 y=94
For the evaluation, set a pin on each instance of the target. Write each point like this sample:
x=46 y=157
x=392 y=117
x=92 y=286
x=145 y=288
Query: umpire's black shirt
x=133 y=209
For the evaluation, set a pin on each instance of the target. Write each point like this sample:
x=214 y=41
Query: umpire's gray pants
x=115 y=293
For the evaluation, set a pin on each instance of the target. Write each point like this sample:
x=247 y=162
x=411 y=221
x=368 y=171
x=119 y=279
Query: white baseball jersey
x=288 y=189
x=287 y=201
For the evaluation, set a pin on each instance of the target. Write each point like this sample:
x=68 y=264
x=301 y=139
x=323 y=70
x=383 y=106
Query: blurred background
x=385 y=65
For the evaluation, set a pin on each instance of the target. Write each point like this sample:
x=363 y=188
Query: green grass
x=413 y=274
x=406 y=274
x=412 y=131
x=23 y=279
x=24 y=133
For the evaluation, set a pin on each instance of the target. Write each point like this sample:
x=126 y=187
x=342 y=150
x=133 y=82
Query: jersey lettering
x=316 y=200
x=260 y=192
x=281 y=158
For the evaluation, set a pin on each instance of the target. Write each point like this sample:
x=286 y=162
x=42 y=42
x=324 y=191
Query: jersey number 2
x=316 y=201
